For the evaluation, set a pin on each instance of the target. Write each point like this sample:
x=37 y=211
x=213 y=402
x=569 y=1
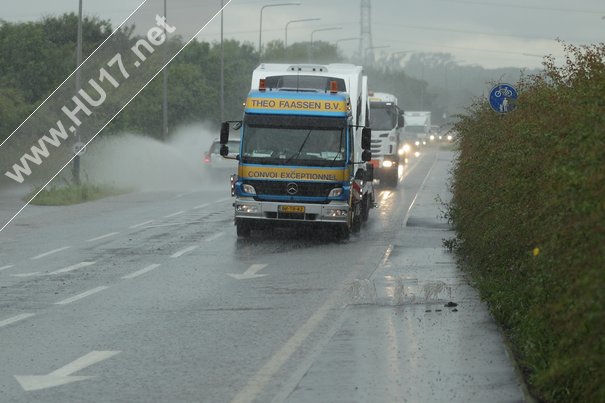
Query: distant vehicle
x=386 y=122
x=214 y=161
x=417 y=126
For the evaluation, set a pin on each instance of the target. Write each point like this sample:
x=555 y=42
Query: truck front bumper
x=250 y=209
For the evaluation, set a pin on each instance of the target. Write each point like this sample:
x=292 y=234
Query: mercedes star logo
x=292 y=188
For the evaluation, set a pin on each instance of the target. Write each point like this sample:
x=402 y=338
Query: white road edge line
x=200 y=206
x=186 y=250
x=72 y=268
x=222 y=200
x=6 y=267
x=407 y=214
x=102 y=237
x=142 y=271
x=82 y=295
x=215 y=236
x=25 y=274
x=140 y=224
x=14 y=319
x=50 y=252
x=174 y=214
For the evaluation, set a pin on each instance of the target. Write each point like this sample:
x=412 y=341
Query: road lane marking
x=25 y=274
x=174 y=214
x=63 y=375
x=200 y=206
x=82 y=295
x=6 y=267
x=15 y=319
x=186 y=250
x=50 y=252
x=222 y=200
x=215 y=236
x=409 y=212
x=140 y=272
x=140 y=224
x=250 y=273
x=102 y=237
x=72 y=268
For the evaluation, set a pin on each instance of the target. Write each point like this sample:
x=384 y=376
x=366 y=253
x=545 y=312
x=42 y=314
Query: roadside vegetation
x=67 y=193
x=528 y=207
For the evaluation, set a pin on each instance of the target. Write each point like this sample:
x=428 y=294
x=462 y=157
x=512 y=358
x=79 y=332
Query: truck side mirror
x=400 y=121
x=224 y=134
x=366 y=138
x=366 y=155
x=224 y=150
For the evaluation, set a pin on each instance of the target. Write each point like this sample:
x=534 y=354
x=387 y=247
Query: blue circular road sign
x=502 y=98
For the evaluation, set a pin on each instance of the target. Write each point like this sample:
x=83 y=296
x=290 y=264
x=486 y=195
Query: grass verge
x=63 y=195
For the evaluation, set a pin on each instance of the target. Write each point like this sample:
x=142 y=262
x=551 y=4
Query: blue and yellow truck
x=302 y=161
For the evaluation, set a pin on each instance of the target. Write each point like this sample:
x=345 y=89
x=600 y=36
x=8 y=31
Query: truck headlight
x=387 y=164
x=246 y=208
x=248 y=189
x=336 y=212
x=335 y=192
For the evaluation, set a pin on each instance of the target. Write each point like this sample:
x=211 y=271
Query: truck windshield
x=382 y=117
x=294 y=146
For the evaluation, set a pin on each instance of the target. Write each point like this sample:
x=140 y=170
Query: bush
x=528 y=207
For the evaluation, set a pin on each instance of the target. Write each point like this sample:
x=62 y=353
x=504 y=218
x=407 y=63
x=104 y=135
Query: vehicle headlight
x=246 y=208
x=432 y=137
x=248 y=189
x=449 y=137
x=336 y=212
x=417 y=143
x=406 y=148
x=335 y=192
x=387 y=164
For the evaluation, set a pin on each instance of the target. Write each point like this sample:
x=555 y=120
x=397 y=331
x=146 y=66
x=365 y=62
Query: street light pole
x=370 y=49
x=260 y=27
x=76 y=165
x=323 y=29
x=292 y=21
x=348 y=39
x=165 y=86
x=222 y=67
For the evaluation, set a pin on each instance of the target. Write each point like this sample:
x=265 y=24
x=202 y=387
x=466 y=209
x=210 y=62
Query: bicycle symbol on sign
x=502 y=98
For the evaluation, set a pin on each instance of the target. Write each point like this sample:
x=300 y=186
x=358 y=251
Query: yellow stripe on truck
x=320 y=105
x=292 y=174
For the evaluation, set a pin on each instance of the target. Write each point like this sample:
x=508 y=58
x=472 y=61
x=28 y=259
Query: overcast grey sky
x=486 y=32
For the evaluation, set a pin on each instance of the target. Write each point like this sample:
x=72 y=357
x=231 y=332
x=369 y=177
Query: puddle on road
x=398 y=291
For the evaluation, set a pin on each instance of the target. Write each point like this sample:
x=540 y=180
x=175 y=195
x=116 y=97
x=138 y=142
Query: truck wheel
x=356 y=220
x=365 y=208
x=243 y=230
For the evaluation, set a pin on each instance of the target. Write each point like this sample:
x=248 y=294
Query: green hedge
x=528 y=207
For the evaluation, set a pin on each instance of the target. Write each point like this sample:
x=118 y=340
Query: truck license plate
x=292 y=209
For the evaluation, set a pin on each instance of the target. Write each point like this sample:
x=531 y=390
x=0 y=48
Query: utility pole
x=76 y=164
x=365 y=43
x=222 y=68
x=165 y=83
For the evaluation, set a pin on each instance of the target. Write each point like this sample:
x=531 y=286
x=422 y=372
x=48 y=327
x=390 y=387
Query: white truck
x=386 y=122
x=304 y=149
x=417 y=126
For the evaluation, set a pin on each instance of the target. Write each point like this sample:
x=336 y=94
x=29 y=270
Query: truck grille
x=277 y=188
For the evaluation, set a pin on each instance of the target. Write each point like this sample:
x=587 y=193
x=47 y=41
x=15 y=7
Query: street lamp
x=260 y=28
x=292 y=21
x=323 y=29
x=348 y=39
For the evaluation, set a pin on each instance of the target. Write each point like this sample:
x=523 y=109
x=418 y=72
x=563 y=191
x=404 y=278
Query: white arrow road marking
x=80 y=296
x=6 y=267
x=63 y=375
x=140 y=224
x=250 y=273
x=140 y=272
x=72 y=267
x=186 y=250
x=174 y=214
x=50 y=252
x=14 y=319
x=102 y=237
